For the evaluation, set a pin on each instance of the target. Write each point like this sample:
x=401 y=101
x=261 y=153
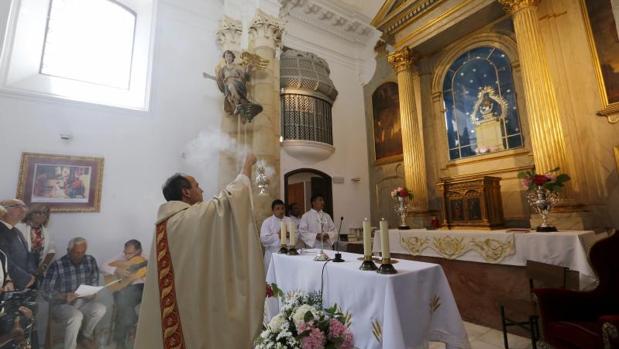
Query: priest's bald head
x=183 y=188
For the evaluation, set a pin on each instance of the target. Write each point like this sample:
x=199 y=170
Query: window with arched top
x=481 y=113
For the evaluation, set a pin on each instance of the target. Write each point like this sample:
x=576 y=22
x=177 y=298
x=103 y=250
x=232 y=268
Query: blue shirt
x=63 y=276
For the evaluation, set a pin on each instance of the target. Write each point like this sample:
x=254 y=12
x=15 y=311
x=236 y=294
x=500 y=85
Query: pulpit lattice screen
x=306 y=118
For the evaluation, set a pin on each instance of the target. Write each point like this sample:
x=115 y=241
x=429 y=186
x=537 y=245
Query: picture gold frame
x=608 y=109
x=617 y=157
x=65 y=183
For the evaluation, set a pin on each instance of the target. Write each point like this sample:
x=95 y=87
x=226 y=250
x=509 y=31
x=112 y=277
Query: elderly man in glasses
x=21 y=263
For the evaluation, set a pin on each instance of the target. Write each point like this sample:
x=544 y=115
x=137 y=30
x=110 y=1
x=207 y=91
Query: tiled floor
x=482 y=337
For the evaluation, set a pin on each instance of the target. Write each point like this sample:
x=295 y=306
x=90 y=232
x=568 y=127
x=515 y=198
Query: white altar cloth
x=410 y=308
x=566 y=248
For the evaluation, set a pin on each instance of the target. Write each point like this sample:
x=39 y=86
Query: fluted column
x=265 y=34
x=412 y=139
x=547 y=136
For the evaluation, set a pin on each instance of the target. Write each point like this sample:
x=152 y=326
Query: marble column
x=547 y=134
x=265 y=40
x=412 y=138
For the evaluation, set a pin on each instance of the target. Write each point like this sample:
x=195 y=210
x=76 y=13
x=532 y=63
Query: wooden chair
x=540 y=275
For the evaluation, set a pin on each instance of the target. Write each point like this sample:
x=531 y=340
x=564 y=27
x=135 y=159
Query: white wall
x=350 y=160
x=141 y=149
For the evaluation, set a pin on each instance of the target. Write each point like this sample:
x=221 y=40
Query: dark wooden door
x=296 y=194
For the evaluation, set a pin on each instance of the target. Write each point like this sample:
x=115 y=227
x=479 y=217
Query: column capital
x=513 y=6
x=229 y=34
x=266 y=30
x=401 y=59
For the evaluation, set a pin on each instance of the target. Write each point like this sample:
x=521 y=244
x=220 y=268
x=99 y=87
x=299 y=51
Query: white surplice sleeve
x=269 y=233
x=307 y=234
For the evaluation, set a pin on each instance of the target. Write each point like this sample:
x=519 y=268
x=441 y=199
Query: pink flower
x=339 y=330
x=526 y=183
x=315 y=339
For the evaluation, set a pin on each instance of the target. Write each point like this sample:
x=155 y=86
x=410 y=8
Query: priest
x=316 y=227
x=205 y=286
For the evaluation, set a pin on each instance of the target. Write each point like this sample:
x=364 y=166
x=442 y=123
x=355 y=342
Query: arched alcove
x=305 y=182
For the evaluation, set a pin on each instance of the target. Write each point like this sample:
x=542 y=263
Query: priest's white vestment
x=205 y=288
x=314 y=222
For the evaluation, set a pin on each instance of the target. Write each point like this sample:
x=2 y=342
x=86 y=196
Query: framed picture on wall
x=387 y=130
x=602 y=27
x=64 y=183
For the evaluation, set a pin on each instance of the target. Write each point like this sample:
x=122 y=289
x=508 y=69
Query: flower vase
x=543 y=200
x=401 y=210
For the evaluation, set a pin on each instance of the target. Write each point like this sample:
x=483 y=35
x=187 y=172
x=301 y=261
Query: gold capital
x=513 y=6
x=401 y=59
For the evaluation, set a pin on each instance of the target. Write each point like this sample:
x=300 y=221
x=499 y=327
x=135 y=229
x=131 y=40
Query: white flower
x=276 y=322
x=299 y=315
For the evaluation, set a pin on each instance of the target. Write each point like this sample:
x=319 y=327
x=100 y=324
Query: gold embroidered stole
x=170 y=317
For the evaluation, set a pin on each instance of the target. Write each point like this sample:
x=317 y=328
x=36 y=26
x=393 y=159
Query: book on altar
x=87 y=290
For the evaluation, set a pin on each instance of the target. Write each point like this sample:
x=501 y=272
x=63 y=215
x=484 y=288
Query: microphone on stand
x=338 y=255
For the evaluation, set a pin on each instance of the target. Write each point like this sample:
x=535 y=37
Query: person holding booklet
x=60 y=284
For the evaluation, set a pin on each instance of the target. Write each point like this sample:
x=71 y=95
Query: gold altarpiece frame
x=609 y=110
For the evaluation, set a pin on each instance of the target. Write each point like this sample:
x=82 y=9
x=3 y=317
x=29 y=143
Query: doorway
x=301 y=184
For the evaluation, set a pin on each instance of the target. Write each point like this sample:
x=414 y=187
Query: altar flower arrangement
x=552 y=181
x=401 y=192
x=303 y=323
x=543 y=193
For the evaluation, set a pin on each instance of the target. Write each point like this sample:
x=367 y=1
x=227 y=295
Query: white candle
x=293 y=234
x=384 y=238
x=282 y=238
x=367 y=238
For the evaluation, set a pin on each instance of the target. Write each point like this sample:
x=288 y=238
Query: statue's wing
x=258 y=62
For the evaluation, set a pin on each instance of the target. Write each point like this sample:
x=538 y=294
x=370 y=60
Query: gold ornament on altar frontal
x=401 y=59
x=513 y=6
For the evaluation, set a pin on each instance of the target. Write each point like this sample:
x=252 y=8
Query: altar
x=400 y=311
x=483 y=267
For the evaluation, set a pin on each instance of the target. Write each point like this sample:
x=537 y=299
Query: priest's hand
x=250 y=160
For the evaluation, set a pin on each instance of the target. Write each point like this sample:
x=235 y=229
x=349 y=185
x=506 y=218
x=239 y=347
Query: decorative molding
x=394 y=21
x=328 y=16
x=266 y=30
x=401 y=59
x=229 y=34
x=513 y=6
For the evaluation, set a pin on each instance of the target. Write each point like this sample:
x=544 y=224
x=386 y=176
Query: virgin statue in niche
x=232 y=80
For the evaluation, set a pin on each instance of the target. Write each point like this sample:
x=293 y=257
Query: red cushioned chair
x=585 y=320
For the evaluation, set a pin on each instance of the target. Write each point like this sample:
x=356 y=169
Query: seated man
x=63 y=278
x=270 y=231
x=316 y=225
x=21 y=263
x=130 y=268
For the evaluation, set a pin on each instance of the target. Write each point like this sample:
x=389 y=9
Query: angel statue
x=232 y=80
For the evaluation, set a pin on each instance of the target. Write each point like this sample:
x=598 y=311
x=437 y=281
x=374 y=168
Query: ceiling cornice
x=328 y=15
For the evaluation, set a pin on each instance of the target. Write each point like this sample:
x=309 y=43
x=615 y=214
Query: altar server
x=270 y=232
x=317 y=225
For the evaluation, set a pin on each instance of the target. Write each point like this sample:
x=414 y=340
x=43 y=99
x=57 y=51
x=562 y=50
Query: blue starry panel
x=474 y=70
